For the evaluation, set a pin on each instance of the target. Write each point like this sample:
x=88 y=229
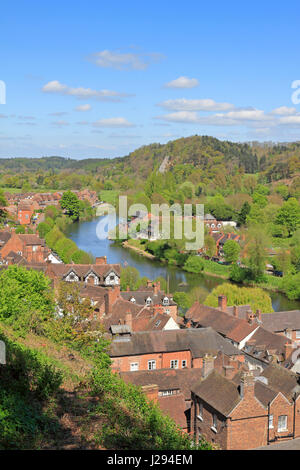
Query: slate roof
x=280 y=321
x=199 y=341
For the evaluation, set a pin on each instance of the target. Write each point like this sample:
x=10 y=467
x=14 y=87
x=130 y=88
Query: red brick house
x=30 y=246
x=173 y=349
x=153 y=296
x=247 y=411
x=259 y=345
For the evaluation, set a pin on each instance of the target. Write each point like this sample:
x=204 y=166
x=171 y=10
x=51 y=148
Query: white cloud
x=83 y=107
x=290 y=120
x=124 y=61
x=182 y=104
x=284 y=111
x=246 y=115
x=82 y=93
x=60 y=123
x=113 y=122
x=181 y=116
x=58 y=113
x=182 y=82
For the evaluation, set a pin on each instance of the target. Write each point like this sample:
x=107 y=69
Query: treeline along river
x=84 y=235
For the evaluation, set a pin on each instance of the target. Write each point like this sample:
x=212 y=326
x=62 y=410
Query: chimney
x=229 y=372
x=250 y=317
x=101 y=260
x=149 y=283
x=156 y=287
x=247 y=384
x=112 y=294
x=258 y=315
x=128 y=289
x=288 y=349
x=222 y=302
x=236 y=311
x=128 y=319
x=208 y=365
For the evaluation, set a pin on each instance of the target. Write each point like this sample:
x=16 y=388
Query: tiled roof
x=220 y=393
x=229 y=326
x=82 y=270
x=199 y=341
x=141 y=296
x=165 y=379
x=174 y=407
x=280 y=321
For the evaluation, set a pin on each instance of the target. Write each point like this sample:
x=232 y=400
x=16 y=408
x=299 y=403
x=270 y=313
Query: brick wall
x=163 y=360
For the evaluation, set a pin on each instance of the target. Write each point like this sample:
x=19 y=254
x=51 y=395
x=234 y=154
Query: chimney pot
x=222 y=302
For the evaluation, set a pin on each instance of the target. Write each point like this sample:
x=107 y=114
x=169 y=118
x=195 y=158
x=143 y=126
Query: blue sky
x=99 y=79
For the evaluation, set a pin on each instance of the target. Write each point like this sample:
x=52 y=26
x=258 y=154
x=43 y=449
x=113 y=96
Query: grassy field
x=109 y=196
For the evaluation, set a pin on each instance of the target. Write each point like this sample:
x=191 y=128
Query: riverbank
x=211 y=268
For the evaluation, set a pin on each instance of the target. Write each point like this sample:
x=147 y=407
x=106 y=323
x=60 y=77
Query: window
x=148 y=301
x=200 y=414
x=282 y=423
x=134 y=366
x=166 y=393
x=151 y=365
x=271 y=426
x=34 y=248
x=297 y=334
x=165 y=301
x=132 y=300
x=183 y=363
x=215 y=422
x=174 y=364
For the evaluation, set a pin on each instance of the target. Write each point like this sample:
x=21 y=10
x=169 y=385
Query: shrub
x=194 y=264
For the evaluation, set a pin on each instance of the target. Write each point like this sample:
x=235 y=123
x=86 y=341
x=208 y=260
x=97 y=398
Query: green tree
x=242 y=217
x=129 y=277
x=26 y=299
x=194 y=264
x=257 y=243
x=289 y=215
x=71 y=204
x=231 y=251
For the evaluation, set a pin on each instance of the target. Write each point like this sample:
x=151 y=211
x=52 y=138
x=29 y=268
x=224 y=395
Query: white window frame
x=174 y=366
x=271 y=421
x=183 y=363
x=200 y=414
x=134 y=366
x=215 y=423
x=297 y=334
x=280 y=428
x=152 y=364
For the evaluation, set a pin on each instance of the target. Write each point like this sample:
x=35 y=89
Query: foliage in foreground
x=131 y=421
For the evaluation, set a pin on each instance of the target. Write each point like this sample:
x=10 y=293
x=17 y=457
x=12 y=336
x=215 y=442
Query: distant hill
x=208 y=154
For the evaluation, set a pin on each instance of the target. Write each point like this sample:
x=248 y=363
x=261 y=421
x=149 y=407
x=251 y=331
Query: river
x=84 y=235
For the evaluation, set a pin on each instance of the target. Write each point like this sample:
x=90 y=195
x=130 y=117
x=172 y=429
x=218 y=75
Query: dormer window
x=132 y=300
x=148 y=301
x=166 y=301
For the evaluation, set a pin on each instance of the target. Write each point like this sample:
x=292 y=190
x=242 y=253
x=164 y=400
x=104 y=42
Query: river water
x=84 y=235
